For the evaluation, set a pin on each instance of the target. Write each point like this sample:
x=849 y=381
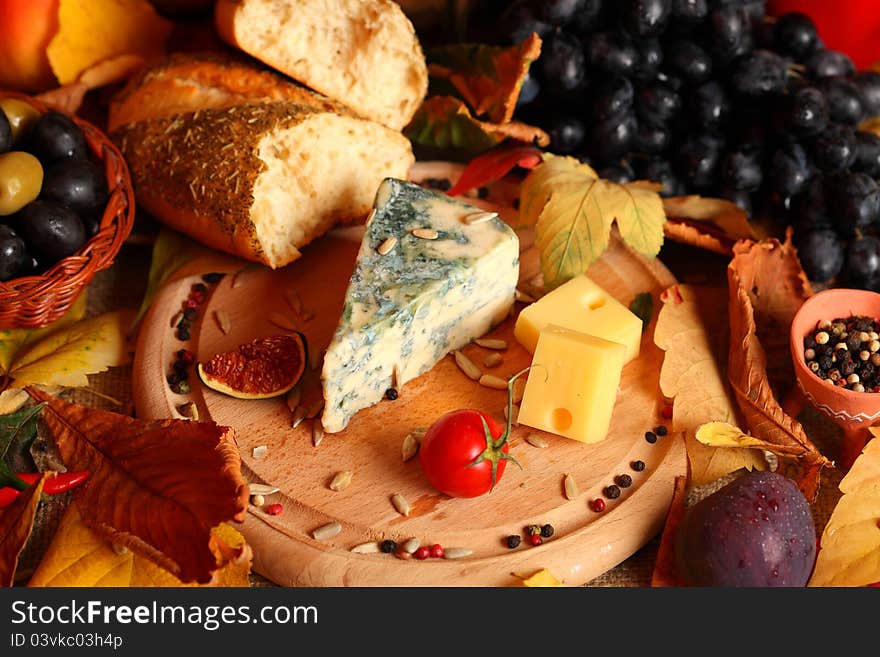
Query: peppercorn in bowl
x=66 y=207
x=835 y=348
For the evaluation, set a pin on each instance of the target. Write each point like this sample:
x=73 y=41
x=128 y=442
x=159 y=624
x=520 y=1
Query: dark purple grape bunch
x=713 y=97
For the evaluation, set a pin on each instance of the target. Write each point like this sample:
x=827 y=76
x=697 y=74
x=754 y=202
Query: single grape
x=821 y=254
x=795 y=34
x=518 y=21
x=529 y=90
x=562 y=63
x=650 y=59
x=660 y=171
x=844 y=99
x=12 y=253
x=567 y=134
x=729 y=34
x=50 y=230
x=5 y=133
x=855 y=200
x=697 y=160
x=612 y=97
x=863 y=262
x=710 y=106
x=644 y=18
x=687 y=13
x=688 y=61
x=611 y=53
x=657 y=103
x=829 y=63
x=557 y=12
x=834 y=150
x=867 y=153
x=612 y=138
x=621 y=172
x=809 y=210
x=56 y=137
x=790 y=170
x=588 y=18
x=759 y=73
x=868 y=84
x=807 y=112
x=651 y=139
x=741 y=171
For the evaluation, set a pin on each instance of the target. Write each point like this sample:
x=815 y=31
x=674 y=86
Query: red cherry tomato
x=457 y=456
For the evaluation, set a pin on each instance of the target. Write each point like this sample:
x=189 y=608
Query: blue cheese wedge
x=428 y=280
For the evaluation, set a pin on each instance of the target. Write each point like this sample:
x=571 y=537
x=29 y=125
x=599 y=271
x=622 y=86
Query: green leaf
x=573 y=211
x=17 y=433
x=643 y=307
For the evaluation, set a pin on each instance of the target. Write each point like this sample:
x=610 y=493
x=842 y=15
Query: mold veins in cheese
x=408 y=308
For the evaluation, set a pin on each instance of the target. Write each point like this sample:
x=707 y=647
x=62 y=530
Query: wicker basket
x=34 y=301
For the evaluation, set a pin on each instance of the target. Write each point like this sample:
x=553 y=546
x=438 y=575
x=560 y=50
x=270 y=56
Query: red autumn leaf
x=157 y=487
x=494 y=165
x=16 y=523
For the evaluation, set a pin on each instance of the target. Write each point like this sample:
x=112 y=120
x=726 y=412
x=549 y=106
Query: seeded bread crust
x=363 y=53
x=186 y=82
x=198 y=172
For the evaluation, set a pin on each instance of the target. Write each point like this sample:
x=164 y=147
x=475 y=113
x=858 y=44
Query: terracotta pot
x=852 y=411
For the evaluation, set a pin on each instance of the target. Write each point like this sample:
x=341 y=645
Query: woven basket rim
x=33 y=301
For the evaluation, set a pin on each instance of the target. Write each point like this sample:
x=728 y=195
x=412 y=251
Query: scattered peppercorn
x=597 y=505
x=483 y=192
x=533 y=530
x=388 y=546
x=190 y=313
x=638 y=466
x=443 y=184
x=186 y=356
x=535 y=539
x=183 y=335
x=200 y=287
x=612 y=491
x=513 y=541
x=213 y=277
x=437 y=551
x=651 y=437
x=391 y=394
x=274 y=509
x=180 y=387
x=623 y=480
x=547 y=531
x=422 y=553
x=661 y=430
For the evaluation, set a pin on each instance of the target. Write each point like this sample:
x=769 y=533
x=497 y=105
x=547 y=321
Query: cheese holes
x=561 y=419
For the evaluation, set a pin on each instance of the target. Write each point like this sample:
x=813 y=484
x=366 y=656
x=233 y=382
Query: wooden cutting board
x=585 y=544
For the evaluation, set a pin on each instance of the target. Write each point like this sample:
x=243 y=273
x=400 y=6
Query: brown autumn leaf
x=692 y=330
x=766 y=286
x=16 y=523
x=489 y=78
x=693 y=235
x=157 y=487
x=79 y=557
x=849 y=551
x=664 y=574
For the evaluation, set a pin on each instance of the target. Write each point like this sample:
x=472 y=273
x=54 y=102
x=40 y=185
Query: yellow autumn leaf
x=692 y=330
x=12 y=341
x=722 y=434
x=66 y=356
x=573 y=211
x=849 y=551
x=77 y=557
x=542 y=578
x=92 y=31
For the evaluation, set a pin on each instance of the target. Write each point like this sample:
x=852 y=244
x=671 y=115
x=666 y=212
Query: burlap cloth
x=123 y=286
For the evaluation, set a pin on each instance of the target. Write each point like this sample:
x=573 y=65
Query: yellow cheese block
x=572 y=385
x=581 y=305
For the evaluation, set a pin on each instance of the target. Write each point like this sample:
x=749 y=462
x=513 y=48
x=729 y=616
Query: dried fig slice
x=259 y=369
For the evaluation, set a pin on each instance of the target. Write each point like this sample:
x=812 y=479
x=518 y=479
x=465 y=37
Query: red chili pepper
x=60 y=483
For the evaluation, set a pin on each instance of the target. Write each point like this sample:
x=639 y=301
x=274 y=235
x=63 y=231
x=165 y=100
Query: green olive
x=21 y=178
x=21 y=116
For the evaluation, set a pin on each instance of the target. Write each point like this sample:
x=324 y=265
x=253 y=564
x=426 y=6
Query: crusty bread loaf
x=364 y=53
x=260 y=180
x=186 y=82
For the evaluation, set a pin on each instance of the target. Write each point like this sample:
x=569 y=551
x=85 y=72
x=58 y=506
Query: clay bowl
x=852 y=411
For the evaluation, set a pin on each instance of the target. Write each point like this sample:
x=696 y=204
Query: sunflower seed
x=410 y=447
x=493 y=360
x=298 y=414
x=495 y=382
x=329 y=530
x=175 y=320
x=282 y=321
x=317 y=432
x=571 y=487
x=492 y=343
x=519 y=388
x=314 y=408
x=400 y=503
x=370 y=217
x=293 y=397
x=223 y=321
x=341 y=480
x=262 y=489
x=366 y=548
x=425 y=233
x=119 y=549
x=316 y=359
x=239 y=278
x=522 y=297
x=260 y=451
x=386 y=246
x=410 y=545
x=258 y=500
x=419 y=433
x=466 y=365
x=189 y=410
x=535 y=440
x=515 y=412
x=456 y=553
x=478 y=217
